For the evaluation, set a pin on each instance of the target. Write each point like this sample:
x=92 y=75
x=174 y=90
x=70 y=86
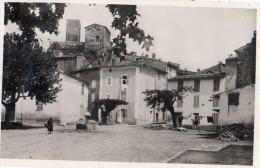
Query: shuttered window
x=196 y=101
x=196 y=86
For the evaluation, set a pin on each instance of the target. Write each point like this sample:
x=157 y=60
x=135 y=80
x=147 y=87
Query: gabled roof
x=99 y=25
x=74 y=77
x=215 y=69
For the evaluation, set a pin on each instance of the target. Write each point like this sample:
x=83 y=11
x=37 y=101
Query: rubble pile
x=227 y=136
x=235 y=132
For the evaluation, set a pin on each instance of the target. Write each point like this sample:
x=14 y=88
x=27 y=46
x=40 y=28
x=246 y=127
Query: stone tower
x=73 y=30
x=97 y=38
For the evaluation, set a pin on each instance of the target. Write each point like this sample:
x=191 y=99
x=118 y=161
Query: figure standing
x=50 y=125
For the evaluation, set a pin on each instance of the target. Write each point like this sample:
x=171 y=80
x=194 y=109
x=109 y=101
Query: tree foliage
x=27 y=70
x=107 y=105
x=125 y=20
x=29 y=16
x=164 y=100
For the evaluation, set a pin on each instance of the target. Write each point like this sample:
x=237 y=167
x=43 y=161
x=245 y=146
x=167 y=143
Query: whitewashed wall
x=242 y=113
x=69 y=108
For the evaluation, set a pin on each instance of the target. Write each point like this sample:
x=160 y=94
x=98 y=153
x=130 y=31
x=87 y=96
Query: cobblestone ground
x=118 y=143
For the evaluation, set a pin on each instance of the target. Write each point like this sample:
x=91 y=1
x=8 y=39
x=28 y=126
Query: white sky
x=191 y=36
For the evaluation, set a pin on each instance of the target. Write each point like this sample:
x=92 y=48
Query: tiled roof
x=215 y=71
x=198 y=76
x=181 y=72
x=216 y=68
x=136 y=65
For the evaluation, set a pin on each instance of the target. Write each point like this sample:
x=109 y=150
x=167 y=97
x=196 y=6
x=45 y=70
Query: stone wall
x=97 y=37
x=67 y=64
x=73 y=30
x=246 y=64
x=231 y=71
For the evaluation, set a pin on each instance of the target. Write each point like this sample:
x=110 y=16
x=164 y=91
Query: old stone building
x=72 y=54
x=237 y=102
x=73 y=30
x=97 y=39
x=246 y=63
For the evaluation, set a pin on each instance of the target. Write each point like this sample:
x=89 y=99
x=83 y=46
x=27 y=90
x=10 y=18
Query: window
x=196 y=86
x=93 y=84
x=215 y=102
x=82 y=89
x=97 y=38
x=210 y=119
x=179 y=103
x=216 y=84
x=196 y=101
x=108 y=96
x=39 y=106
x=109 y=81
x=92 y=97
x=124 y=79
x=123 y=95
x=180 y=85
x=233 y=99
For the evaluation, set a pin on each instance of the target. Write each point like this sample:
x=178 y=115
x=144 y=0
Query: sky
x=193 y=37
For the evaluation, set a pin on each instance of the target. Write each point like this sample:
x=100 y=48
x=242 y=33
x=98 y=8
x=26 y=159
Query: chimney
x=153 y=55
x=185 y=71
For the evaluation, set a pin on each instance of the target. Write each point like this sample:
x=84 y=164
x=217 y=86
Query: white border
x=246 y=4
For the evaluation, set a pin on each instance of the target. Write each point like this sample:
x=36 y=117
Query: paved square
x=118 y=143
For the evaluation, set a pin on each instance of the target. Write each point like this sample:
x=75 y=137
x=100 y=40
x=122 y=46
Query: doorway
x=123 y=115
x=157 y=117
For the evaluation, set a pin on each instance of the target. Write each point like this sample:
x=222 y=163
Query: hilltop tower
x=97 y=38
x=73 y=30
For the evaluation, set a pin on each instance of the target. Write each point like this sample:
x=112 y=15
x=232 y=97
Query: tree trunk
x=174 y=123
x=104 y=118
x=9 y=112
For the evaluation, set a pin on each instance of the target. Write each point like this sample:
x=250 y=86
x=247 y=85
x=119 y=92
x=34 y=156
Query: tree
x=164 y=100
x=107 y=105
x=125 y=20
x=27 y=71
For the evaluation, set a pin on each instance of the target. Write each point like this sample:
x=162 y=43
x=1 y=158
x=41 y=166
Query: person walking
x=50 y=125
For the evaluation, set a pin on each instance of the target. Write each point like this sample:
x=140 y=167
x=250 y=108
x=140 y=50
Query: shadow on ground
x=230 y=155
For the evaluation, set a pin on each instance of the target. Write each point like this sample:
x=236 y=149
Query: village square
x=93 y=100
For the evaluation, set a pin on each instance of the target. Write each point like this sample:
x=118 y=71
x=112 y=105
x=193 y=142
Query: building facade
x=127 y=83
x=237 y=105
x=199 y=102
x=70 y=107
